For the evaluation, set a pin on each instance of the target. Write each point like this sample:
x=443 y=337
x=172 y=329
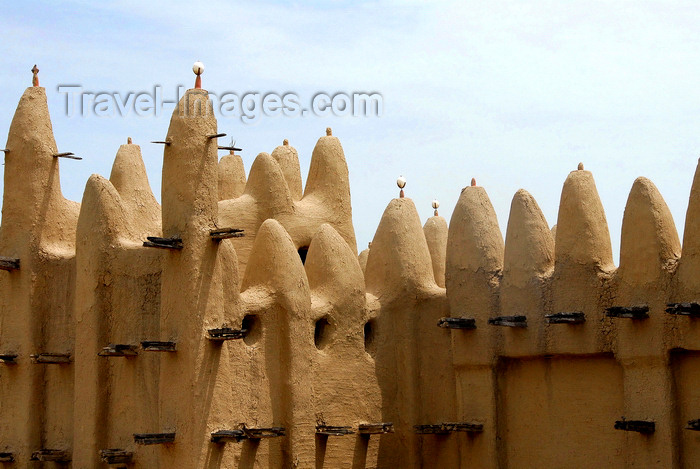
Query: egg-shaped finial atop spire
x=473 y=182
x=35 y=75
x=401 y=182
x=329 y=131
x=436 y=204
x=285 y=142
x=198 y=69
x=580 y=166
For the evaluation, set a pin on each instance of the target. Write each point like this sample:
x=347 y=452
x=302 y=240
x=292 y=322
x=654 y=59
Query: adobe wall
x=336 y=341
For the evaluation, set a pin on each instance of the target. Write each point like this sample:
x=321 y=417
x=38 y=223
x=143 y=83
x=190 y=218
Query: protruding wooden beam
x=225 y=233
x=331 y=430
x=230 y=148
x=158 y=346
x=118 y=350
x=250 y=433
x=260 y=433
x=632 y=312
x=457 y=323
x=226 y=333
x=9 y=263
x=690 y=309
x=51 y=358
x=8 y=359
x=574 y=317
x=56 y=455
x=645 y=427
x=116 y=456
x=216 y=136
x=449 y=427
x=224 y=436
x=432 y=429
x=67 y=154
x=693 y=425
x=375 y=428
x=509 y=321
x=469 y=427
x=154 y=438
x=163 y=243
x=163 y=142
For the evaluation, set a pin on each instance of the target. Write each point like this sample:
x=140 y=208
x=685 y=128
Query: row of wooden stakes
x=690 y=309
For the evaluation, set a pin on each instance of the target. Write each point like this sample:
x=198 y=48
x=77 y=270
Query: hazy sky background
x=512 y=93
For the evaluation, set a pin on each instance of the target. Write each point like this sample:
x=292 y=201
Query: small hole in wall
x=370 y=346
x=302 y=253
x=251 y=323
x=323 y=332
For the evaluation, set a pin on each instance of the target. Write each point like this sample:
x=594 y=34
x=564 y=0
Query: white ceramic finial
x=401 y=182
x=198 y=69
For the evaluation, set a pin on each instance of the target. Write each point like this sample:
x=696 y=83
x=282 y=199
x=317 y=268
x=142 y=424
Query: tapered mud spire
x=399 y=260
x=582 y=230
x=190 y=166
x=334 y=272
x=129 y=178
x=529 y=248
x=103 y=225
x=32 y=192
x=649 y=241
x=328 y=175
x=103 y=210
x=435 y=230
x=275 y=265
x=231 y=177
x=288 y=159
x=266 y=184
x=474 y=249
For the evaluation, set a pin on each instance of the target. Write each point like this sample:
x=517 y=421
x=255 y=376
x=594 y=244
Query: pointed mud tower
x=288 y=159
x=117 y=302
x=435 y=230
x=231 y=177
x=36 y=305
x=341 y=359
x=473 y=271
x=196 y=284
x=412 y=355
x=583 y=265
x=649 y=252
x=528 y=263
x=276 y=291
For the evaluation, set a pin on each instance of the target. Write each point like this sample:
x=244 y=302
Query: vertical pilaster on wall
x=192 y=288
x=583 y=267
x=649 y=251
x=474 y=266
x=117 y=302
x=36 y=299
x=411 y=352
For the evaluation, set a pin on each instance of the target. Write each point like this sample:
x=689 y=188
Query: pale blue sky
x=512 y=93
